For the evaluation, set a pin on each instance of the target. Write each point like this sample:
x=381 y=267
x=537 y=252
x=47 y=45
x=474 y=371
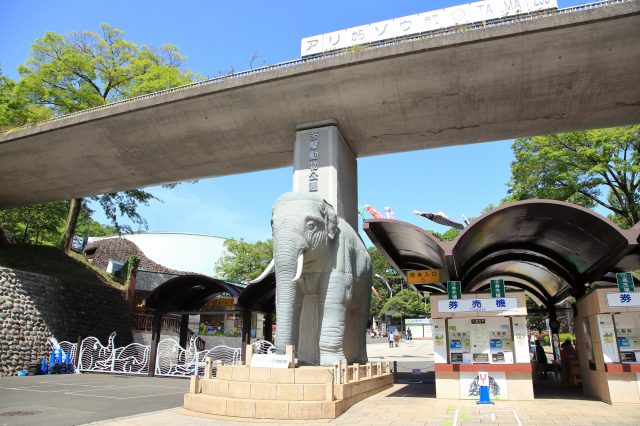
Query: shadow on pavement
x=416 y=390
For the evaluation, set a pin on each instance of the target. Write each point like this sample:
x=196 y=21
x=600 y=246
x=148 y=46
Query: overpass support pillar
x=324 y=163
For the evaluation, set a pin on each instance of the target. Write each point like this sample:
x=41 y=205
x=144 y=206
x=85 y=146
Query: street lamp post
x=384 y=280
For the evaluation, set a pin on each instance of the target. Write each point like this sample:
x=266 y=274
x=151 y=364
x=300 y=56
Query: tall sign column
x=323 y=163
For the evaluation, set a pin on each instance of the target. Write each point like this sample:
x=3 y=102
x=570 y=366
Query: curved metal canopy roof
x=549 y=248
x=260 y=296
x=189 y=293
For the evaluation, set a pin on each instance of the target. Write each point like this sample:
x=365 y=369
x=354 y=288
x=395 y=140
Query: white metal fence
x=171 y=359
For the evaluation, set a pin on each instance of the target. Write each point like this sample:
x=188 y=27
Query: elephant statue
x=323 y=281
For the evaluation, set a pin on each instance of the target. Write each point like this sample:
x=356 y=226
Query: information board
x=608 y=338
x=479 y=341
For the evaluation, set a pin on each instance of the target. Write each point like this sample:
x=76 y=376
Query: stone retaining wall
x=34 y=307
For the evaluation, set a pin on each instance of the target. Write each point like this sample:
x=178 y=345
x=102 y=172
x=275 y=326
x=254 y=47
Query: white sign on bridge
x=479 y=11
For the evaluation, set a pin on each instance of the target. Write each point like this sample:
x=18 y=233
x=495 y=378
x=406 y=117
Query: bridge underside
x=557 y=73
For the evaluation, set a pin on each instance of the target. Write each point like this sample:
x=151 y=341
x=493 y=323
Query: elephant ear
x=331 y=219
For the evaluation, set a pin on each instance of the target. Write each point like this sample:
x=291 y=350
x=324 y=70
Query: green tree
x=381 y=267
x=449 y=235
x=39 y=224
x=536 y=316
x=244 y=260
x=406 y=304
x=82 y=70
x=595 y=167
x=44 y=223
x=15 y=107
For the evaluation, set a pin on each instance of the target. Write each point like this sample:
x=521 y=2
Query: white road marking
x=81 y=392
x=455 y=418
x=517 y=418
x=127 y=397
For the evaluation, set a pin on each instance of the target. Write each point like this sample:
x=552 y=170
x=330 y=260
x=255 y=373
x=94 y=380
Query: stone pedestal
x=304 y=393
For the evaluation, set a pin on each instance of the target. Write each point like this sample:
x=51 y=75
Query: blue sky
x=218 y=36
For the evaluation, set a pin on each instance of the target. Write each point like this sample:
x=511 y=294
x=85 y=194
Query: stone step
x=262 y=409
x=301 y=375
x=267 y=391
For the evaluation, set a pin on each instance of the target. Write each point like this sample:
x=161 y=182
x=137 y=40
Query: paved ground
x=129 y=401
x=414 y=359
x=81 y=398
x=405 y=405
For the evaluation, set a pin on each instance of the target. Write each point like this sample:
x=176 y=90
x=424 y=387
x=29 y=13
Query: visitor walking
x=391 y=339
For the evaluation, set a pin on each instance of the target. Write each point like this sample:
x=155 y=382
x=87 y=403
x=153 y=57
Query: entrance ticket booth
x=480 y=333
x=608 y=339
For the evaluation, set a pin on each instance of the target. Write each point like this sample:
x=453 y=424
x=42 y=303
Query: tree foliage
x=80 y=70
x=406 y=304
x=449 y=235
x=380 y=266
x=595 y=167
x=44 y=223
x=244 y=261
x=536 y=316
x=15 y=107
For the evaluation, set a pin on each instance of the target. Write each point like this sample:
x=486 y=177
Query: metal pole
x=384 y=280
x=155 y=339
x=246 y=333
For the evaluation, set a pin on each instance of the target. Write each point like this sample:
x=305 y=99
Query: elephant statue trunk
x=288 y=251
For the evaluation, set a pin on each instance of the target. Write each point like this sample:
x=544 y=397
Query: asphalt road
x=74 y=399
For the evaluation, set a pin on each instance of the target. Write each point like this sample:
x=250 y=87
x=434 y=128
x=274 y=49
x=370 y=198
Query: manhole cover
x=19 y=413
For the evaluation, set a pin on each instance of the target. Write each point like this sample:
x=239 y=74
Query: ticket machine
x=501 y=341
x=480 y=333
x=608 y=344
x=458 y=332
x=628 y=336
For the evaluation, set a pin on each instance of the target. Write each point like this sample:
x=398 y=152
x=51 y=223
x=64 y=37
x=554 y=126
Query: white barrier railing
x=171 y=359
x=174 y=360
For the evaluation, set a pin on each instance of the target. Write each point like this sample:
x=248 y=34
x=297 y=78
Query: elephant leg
x=361 y=306
x=333 y=309
x=351 y=335
x=363 y=317
x=332 y=333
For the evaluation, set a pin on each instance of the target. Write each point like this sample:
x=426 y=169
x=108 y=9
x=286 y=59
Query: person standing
x=390 y=340
x=566 y=354
x=541 y=358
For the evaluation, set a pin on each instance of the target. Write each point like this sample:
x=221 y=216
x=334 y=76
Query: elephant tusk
x=264 y=273
x=299 y=268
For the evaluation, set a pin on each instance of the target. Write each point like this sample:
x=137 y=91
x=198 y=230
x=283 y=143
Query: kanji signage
x=478 y=305
x=453 y=289
x=625 y=282
x=314 y=163
x=497 y=288
x=423 y=277
x=622 y=300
